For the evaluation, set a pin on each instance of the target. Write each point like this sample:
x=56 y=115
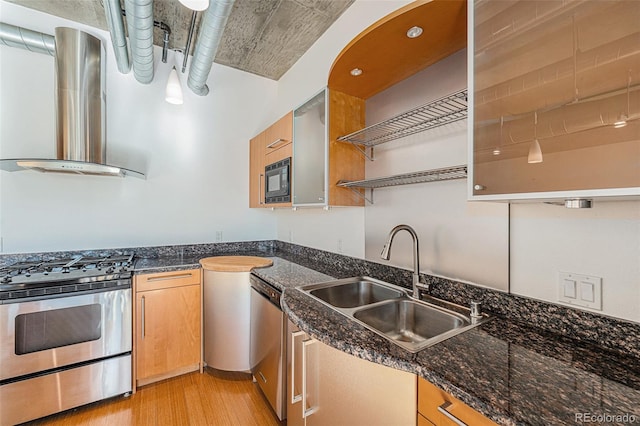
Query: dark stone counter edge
x=485 y=408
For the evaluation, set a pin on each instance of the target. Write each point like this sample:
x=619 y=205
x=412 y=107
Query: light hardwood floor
x=212 y=398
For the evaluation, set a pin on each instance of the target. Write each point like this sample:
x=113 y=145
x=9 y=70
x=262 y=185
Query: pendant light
x=198 y=5
x=173 y=92
x=497 y=150
x=535 y=153
x=622 y=121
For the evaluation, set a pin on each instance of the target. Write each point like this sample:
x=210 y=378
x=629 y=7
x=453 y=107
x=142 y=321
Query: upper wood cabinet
x=279 y=139
x=564 y=74
x=257 y=161
x=269 y=146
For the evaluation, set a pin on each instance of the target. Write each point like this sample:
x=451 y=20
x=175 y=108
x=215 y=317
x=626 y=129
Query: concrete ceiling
x=263 y=37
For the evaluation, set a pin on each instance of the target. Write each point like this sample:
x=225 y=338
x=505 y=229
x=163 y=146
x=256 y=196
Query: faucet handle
x=475 y=309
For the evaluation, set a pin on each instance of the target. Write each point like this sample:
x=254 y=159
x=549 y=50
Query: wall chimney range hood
x=80 y=109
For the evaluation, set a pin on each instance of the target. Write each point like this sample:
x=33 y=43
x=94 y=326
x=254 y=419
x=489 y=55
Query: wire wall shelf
x=437 y=113
x=433 y=175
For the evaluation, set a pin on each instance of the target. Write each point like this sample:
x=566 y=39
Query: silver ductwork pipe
x=209 y=36
x=115 y=23
x=140 y=26
x=33 y=41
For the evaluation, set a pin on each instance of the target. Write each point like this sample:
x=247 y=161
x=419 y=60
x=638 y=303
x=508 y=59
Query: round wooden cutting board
x=234 y=263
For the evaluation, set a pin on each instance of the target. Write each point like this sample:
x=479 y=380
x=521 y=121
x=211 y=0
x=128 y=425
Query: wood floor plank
x=211 y=398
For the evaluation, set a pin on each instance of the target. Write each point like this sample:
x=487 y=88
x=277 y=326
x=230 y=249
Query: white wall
x=458 y=240
x=195 y=157
x=603 y=241
x=344 y=226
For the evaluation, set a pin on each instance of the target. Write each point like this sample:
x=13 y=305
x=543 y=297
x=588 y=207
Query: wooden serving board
x=234 y=263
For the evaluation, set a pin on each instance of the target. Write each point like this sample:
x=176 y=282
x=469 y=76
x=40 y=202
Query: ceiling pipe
x=22 y=38
x=115 y=24
x=211 y=29
x=140 y=26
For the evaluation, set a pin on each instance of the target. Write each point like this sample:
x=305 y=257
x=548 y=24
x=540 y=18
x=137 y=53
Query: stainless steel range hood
x=80 y=111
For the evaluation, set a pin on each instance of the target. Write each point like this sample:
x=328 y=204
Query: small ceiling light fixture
x=198 y=5
x=535 y=152
x=414 y=32
x=356 y=72
x=173 y=92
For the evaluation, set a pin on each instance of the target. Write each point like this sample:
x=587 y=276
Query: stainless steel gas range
x=65 y=334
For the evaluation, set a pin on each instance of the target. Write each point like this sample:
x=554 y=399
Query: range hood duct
x=115 y=23
x=211 y=29
x=23 y=38
x=140 y=26
x=80 y=110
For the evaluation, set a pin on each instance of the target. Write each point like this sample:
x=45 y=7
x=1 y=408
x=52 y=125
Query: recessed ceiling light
x=414 y=32
x=356 y=72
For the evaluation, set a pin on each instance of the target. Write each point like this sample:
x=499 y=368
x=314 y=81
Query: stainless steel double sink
x=389 y=311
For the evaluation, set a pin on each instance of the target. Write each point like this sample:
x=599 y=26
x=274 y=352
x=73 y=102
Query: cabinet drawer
x=430 y=398
x=279 y=152
x=422 y=421
x=146 y=282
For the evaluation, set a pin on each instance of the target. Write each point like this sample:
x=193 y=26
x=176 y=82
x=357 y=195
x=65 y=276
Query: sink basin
x=411 y=324
x=389 y=311
x=354 y=292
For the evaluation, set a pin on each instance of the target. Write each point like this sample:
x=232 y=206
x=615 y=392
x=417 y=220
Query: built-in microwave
x=277 y=188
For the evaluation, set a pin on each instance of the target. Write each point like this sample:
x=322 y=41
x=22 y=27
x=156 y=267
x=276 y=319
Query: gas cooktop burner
x=65 y=274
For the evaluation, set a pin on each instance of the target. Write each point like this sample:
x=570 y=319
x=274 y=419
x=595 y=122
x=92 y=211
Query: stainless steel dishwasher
x=268 y=341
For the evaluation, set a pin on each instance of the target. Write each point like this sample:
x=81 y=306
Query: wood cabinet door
x=168 y=330
x=343 y=389
x=256 y=170
x=430 y=398
x=279 y=138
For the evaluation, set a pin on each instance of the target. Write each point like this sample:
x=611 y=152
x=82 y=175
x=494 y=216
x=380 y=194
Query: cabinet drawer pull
x=306 y=412
x=294 y=398
x=142 y=315
x=169 y=277
x=276 y=142
x=443 y=409
x=264 y=379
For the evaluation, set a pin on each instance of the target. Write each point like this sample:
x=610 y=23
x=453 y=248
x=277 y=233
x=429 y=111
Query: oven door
x=40 y=335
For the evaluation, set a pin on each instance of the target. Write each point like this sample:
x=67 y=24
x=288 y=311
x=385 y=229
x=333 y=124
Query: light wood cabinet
x=434 y=402
x=168 y=325
x=269 y=146
x=257 y=161
x=329 y=387
x=279 y=139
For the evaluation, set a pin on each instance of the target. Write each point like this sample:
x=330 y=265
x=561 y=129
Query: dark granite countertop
x=165 y=264
x=512 y=373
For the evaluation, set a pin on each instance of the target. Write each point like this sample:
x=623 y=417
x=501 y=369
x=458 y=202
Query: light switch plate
x=580 y=290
